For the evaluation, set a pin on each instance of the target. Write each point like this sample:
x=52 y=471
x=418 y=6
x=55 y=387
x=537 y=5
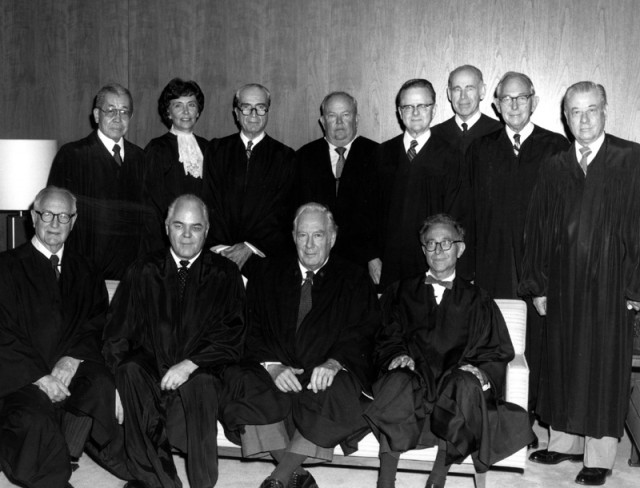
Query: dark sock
x=440 y=468
x=388 y=468
x=289 y=462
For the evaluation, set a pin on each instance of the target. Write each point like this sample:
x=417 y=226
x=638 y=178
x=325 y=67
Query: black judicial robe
x=110 y=219
x=465 y=328
x=250 y=202
x=450 y=131
x=410 y=192
x=355 y=207
x=164 y=181
x=582 y=251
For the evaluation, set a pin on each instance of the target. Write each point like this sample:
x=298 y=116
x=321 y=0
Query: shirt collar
x=255 y=140
x=109 y=143
x=526 y=131
x=43 y=249
x=332 y=147
x=594 y=146
x=422 y=140
x=178 y=259
x=471 y=121
x=303 y=270
x=451 y=277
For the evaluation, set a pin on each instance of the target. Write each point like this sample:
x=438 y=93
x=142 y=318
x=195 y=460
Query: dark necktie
x=339 y=165
x=411 y=153
x=249 y=146
x=516 y=144
x=430 y=280
x=183 y=272
x=465 y=128
x=585 y=151
x=305 y=298
x=55 y=264
x=116 y=154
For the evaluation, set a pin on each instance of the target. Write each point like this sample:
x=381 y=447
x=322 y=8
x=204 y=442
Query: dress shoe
x=302 y=480
x=534 y=443
x=593 y=476
x=552 y=457
x=135 y=484
x=271 y=483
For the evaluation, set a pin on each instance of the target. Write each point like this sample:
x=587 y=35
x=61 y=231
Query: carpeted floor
x=238 y=474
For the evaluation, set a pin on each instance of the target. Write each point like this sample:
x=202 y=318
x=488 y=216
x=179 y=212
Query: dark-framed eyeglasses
x=247 y=109
x=421 y=107
x=112 y=113
x=445 y=245
x=520 y=99
x=63 y=218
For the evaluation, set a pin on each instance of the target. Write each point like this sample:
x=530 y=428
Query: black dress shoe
x=135 y=484
x=302 y=480
x=552 y=457
x=592 y=476
x=534 y=443
x=271 y=483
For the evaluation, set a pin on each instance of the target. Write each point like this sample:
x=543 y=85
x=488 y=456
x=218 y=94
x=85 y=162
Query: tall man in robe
x=505 y=165
x=53 y=305
x=582 y=266
x=465 y=90
x=419 y=175
x=442 y=353
x=339 y=171
x=311 y=321
x=175 y=323
x=105 y=172
x=248 y=180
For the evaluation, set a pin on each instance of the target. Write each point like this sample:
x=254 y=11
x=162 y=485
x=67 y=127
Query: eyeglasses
x=63 y=218
x=421 y=107
x=520 y=99
x=445 y=245
x=112 y=113
x=247 y=109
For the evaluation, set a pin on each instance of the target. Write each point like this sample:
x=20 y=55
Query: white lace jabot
x=189 y=153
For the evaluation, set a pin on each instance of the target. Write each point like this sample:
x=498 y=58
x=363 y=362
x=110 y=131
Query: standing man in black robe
x=53 y=304
x=311 y=321
x=505 y=166
x=339 y=171
x=248 y=181
x=419 y=175
x=105 y=172
x=465 y=90
x=582 y=266
x=442 y=353
x=175 y=323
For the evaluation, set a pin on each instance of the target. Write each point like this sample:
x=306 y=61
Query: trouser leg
x=600 y=453
x=564 y=442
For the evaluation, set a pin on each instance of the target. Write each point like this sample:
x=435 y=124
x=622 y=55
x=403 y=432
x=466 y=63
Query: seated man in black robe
x=55 y=391
x=442 y=350
x=311 y=322
x=175 y=322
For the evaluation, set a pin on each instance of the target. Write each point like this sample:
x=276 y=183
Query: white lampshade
x=24 y=170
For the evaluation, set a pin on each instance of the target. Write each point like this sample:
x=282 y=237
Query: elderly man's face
x=417 y=119
x=516 y=112
x=53 y=234
x=465 y=93
x=253 y=124
x=339 y=121
x=187 y=229
x=442 y=263
x=115 y=124
x=586 y=115
x=314 y=239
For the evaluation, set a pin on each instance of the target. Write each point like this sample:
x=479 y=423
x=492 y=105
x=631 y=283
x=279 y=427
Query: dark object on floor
x=534 y=444
x=593 y=476
x=551 y=457
x=302 y=480
x=271 y=483
x=134 y=484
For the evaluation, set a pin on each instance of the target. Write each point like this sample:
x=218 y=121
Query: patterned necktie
x=305 y=298
x=465 y=128
x=430 y=280
x=411 y=153
x=55 y=263
x=339 y=165
x=585 y=151
x=516 y=144
x=183 y=271
x=249 y=146
x=116 y=154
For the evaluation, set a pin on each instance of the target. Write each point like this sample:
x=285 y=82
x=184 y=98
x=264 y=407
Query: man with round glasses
x=248 y=180
x=56 y=394
x=105 y=172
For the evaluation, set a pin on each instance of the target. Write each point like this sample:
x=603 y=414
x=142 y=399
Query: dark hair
x=441 y=218
x=325 y=101
x=113 y=89
x=177 y=88
x=465 y=67
x=415 y=83
x=584 y=87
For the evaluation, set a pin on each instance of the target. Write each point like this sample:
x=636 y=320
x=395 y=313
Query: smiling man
x=311 y=322
x=176 y=321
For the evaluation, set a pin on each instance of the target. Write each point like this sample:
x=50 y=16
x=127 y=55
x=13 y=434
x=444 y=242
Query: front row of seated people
x=289 y=371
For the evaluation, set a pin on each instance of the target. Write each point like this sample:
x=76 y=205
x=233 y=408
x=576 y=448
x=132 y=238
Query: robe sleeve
x=631 y=232
x=390 y=338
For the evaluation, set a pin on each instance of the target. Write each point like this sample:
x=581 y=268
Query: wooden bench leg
x=480 y=479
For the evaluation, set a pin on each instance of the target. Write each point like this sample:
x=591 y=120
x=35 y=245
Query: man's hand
x=177 y=375
x=633 y=305
x=65 y=369
x=238 y=253
x=477 y=372
x=119 y=409
x=375 y=270
x=55 y=389
x=285 y=377
x=322 y=375
x=402 y=361
x=541 y=305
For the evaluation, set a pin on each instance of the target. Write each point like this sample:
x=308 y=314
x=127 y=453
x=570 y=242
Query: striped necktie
x=585 y=151
x=411 y=153
x=516 y=144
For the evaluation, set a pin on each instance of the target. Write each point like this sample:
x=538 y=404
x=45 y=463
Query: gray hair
x=190 y=198
x=465 y=67
x=315 y=207
x=440 y=218
x=325 y=101
x=112 y=89
x=415 y=83
x=49 y=190
x=510 y=75
x=236 y=97
x=585 y=87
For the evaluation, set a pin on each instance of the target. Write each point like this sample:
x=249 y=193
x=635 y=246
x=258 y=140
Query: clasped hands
x=286 y=380
x=56 y=384
x=405 y=361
